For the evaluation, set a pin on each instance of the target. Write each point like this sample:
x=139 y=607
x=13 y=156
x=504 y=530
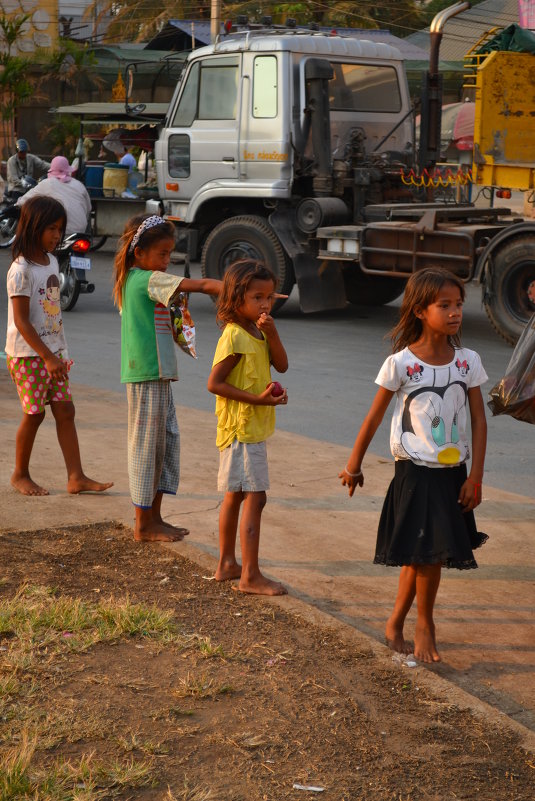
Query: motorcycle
x=10 y=212
x=73 y=264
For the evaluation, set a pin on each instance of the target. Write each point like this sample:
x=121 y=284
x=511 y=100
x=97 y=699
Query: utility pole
x=215 y=19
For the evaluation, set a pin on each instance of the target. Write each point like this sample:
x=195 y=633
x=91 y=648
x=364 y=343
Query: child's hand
x=351 y=480
x=268 y=399
x=470 y=495
x=266 y=324
x=58 y=369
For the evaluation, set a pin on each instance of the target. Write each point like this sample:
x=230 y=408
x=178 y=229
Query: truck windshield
x=210 y=92
x=364 y=87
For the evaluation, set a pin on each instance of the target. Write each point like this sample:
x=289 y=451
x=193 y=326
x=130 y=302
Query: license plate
x=80 y=263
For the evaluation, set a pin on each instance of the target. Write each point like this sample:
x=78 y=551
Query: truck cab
x=238 y=141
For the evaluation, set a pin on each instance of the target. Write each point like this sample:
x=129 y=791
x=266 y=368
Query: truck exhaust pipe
x=318 y=73
x=431 y=111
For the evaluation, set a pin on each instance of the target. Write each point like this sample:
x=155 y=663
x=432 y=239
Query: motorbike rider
x=23 y=163
x=68 y=190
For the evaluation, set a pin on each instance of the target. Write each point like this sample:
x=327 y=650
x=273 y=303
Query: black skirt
x=422 y=521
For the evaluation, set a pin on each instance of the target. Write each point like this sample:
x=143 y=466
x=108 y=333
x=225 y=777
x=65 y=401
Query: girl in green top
x=143 y=291
x=245 y=402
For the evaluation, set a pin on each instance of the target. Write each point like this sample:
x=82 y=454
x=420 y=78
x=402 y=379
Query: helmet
x=22 y=145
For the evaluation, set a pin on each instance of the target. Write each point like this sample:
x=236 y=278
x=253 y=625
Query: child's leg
x=23 y=449
x=157 y=517
x=427 y=581
x=394 y=625
x=252 y=580
x=77 y=481
x=228 y=568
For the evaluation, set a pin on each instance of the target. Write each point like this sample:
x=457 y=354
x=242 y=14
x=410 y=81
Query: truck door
x=200 y=146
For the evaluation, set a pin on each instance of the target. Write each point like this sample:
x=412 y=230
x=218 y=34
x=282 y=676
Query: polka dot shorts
x=35 y=386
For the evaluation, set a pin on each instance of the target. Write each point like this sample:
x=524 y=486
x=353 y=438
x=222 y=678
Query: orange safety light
x=504 y=193
x=172 y=187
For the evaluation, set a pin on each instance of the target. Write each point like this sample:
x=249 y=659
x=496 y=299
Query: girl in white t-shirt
x=427 y=519
x=36 y=350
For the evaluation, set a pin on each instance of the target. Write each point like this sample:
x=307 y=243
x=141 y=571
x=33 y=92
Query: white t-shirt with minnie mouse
x=41 y=284
x=429 y=422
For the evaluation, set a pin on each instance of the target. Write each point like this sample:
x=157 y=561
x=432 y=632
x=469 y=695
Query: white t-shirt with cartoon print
x=39 y=282
x=429 y=422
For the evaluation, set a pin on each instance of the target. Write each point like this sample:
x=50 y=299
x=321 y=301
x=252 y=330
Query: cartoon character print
x=51 y=305
x=432 y=418
x=415 y=372
x=462 y=366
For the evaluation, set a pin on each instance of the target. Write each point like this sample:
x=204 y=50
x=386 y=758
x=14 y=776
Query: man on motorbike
x=70 y=192
x=22 y=164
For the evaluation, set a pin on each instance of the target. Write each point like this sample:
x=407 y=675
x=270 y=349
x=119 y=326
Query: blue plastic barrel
x=94 y=174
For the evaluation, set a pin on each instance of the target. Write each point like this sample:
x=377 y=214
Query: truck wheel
x=371 y=290
x=511 y=300
x=246 y=238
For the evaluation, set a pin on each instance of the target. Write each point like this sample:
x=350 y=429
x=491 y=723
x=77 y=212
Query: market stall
x=106 y=129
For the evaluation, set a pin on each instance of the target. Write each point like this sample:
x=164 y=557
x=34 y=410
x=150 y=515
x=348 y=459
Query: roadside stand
x=117 y=192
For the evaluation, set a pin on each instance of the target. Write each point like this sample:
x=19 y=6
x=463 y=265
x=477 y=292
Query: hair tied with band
x=149 y=222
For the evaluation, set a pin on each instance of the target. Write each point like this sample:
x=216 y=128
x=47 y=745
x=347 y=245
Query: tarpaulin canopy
x=513 y=38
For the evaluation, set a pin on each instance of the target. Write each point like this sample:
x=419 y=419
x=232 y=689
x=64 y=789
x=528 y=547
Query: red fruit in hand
x=276 y=389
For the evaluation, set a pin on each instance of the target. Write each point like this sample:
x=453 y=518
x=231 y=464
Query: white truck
x=290 y=146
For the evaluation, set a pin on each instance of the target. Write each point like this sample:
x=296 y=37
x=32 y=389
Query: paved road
x=334 y=358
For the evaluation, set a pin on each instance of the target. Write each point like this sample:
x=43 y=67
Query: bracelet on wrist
x=353 y=475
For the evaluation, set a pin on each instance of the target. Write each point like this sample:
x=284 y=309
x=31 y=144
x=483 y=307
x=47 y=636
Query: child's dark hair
x=37 y=213
x=422 y=290
x=236 y=281
x=125 y=259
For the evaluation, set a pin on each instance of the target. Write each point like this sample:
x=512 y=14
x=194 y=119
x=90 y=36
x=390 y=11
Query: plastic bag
x=514 y=394
x=183 y=325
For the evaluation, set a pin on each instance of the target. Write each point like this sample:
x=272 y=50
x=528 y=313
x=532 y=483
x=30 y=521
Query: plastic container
x=94 y=174
x=115 y=179
x=134 y=178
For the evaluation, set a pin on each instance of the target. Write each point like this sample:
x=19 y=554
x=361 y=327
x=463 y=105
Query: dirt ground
x=243 y=702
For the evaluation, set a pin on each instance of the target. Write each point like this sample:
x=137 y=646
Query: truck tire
x=371 y=290
x=511 y=300
x=242 y=238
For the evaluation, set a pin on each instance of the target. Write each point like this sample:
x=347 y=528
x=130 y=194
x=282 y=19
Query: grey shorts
x=243 y=467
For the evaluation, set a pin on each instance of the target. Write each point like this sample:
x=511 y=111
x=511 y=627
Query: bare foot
x=227 y=572
x=156 y=532
x=395 y=640
x=183 y=532
x=425 y=648
x=85 y=484
x=261 y=586
x=26 y=486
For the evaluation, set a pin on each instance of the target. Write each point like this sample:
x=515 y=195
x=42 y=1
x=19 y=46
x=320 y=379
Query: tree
x=15 y=85
x=136 y=20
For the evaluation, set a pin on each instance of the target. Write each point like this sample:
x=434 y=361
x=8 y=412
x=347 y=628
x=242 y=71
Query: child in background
x=37 y=357
x=427 y=519
x=245 y=402
x=143 y=292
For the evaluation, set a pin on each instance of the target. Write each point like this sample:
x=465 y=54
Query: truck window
x=364 y=87
x=218 y=93
x=179 y=156
x=265 y=87
x=187 y=107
